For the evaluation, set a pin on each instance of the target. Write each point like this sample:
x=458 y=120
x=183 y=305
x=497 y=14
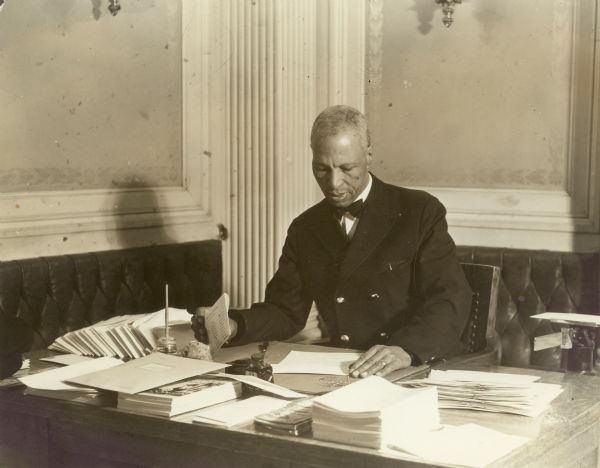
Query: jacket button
x=340 y=300
x=374 y=296
x=345 y=338
x=383 y=335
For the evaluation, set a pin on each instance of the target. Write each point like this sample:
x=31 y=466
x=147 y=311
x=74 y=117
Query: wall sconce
x=114 y=7
x=448 y=10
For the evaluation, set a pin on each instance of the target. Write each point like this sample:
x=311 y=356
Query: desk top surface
x=575 y=410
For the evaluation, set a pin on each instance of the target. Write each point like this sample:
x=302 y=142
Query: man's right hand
x=199 y=328
x=201 y=334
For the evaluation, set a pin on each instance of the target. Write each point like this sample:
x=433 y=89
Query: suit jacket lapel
x=328 y=231
x=375 y=223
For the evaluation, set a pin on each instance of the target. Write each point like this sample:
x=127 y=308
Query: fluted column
x=271 y=105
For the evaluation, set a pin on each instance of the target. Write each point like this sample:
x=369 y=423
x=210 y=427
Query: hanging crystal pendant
x=448 y=10
x=114 y=7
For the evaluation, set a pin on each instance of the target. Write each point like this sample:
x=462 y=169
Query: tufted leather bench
x=50 y=296
x=533 y=282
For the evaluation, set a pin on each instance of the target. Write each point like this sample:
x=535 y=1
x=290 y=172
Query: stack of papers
x=142 y=374
x=51 y=383
x=373 y=411
x=135 y=336
x=180 y=397
x=489 y=391
x=239 y=412
x=125 y=336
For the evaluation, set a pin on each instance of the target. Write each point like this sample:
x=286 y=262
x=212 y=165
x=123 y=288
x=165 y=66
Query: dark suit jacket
x=397 y=282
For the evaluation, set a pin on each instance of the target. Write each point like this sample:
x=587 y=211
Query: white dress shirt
x=348 y=221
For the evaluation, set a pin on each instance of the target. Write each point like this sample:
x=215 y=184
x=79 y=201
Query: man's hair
x=336 y=119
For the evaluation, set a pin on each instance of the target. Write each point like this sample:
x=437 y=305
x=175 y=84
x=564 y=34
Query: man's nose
x=335 y=179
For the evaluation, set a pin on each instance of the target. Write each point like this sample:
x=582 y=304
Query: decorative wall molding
x=567 y=219
x=58 y=222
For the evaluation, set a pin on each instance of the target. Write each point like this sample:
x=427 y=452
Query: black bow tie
x=355 y=209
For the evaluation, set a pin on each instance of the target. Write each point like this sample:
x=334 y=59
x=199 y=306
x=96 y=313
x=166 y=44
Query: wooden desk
x=41 y=432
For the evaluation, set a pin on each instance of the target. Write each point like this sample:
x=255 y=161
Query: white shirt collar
x=365 y=193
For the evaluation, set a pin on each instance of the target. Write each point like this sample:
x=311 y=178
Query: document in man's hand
x=148 y=372
x=303 y=362
x=216 y=321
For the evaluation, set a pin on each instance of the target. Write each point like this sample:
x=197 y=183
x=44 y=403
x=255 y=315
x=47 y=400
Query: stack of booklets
x=181 y=397
x=295 y=419
x=373 y=411
x=489 y=391
x=124 y=336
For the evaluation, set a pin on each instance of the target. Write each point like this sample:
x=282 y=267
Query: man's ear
x=369 y=155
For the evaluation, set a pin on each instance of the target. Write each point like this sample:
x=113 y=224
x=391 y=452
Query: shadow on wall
x=425 y=10
x=137 y=215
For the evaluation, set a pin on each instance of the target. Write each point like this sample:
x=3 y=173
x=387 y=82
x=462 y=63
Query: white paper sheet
x=151 y=371
x=571 y=318
x=371 y=394
x=264 y=385
x=53 y=379
x=239 y=412
x=302 y=362
x=66 y=359
x=483 y=377
x=216 y=321
x=467 y=445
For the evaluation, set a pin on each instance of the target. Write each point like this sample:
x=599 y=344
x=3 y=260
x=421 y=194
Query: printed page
x=302 y=362
x=216 y=321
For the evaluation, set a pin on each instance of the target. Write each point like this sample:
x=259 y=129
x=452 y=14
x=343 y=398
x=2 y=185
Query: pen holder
x=167 y=345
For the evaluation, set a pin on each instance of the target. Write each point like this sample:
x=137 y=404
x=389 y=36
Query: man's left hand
x=380 y=360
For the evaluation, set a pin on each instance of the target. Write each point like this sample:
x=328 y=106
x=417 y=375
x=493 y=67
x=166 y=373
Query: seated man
x=375 y=258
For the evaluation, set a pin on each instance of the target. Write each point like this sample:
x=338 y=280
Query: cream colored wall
x=90 y=100
x=496 y=115
x=104 y=127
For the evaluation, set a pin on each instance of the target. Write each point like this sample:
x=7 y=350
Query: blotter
x=151 y=371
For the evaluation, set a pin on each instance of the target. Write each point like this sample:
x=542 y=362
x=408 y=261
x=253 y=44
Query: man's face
x=340 y=166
